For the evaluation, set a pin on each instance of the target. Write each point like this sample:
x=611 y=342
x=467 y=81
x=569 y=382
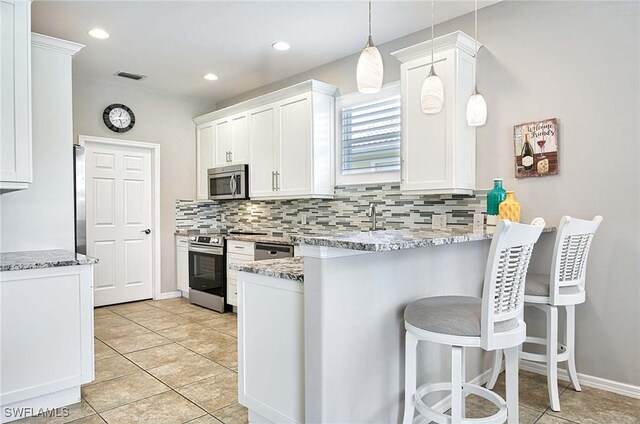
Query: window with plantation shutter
x=369 y=135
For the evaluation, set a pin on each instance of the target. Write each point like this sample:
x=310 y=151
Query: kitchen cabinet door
x=438 y=150
x=427 y=157
x=15 y=85
x=182 y=264
x=239 y=145
x=262 y=140
x=204 y=157
x=295 y=147
x=222 y=136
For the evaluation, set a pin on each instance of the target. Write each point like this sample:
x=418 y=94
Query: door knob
x=147 y=231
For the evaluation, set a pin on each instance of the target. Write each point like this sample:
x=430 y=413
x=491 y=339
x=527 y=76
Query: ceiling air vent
x=135 y=77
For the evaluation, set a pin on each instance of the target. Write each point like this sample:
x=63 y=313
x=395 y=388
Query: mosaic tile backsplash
x=347 y=211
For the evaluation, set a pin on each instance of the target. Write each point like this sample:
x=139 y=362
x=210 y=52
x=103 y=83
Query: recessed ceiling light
x=99 y=33
x=210 y=77
x=281 y=46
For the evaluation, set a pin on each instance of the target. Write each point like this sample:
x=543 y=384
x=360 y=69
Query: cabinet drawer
x=182 y=241
x=235 y=258
x=240 y=247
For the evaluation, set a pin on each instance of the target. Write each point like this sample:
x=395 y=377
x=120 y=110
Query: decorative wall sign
x=536 y=148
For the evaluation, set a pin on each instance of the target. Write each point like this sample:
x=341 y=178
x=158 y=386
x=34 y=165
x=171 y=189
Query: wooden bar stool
x=564 y=287
x=491 y=322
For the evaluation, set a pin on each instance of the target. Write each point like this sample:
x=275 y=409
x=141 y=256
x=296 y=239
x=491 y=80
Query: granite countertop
x=286 y=268
x=37 y=259
x=389 y=240
x=277 y=238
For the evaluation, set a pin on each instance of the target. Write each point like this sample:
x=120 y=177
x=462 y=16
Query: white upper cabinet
x=15 y=86
x=232 y=140
x=439 y=150
x=286 y=137
x=205 y=146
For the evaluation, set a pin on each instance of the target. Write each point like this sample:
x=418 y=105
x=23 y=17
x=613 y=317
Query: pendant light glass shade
x=432 y=95
x=370 y=70
x=476 y=110
x=476 y=106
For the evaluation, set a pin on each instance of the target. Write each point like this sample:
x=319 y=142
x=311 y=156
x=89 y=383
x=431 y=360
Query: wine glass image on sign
x=536 y=148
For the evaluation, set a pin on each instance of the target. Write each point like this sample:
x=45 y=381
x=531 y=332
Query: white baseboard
x=445 y=404
x=169 y=295
x=585 y=379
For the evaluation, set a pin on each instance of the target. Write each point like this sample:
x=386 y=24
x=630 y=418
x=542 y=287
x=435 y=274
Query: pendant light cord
x=369 y=19
x=432 y=6
x=475 y=53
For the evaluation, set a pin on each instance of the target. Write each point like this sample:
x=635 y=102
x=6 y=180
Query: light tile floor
x=171 y=362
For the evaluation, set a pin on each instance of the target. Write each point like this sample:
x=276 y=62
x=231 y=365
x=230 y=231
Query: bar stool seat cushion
x=454 y=315
x=538 y=285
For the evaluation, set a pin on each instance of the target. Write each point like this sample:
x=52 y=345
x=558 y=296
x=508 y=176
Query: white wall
x=41 y=217
x=162 y=119
x=578 y=62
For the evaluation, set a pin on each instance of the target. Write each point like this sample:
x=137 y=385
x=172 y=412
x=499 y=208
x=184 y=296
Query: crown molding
x=457 y=39
x=55 y=44
x=303 y=87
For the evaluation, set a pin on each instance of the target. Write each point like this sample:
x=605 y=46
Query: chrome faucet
x=372 y=214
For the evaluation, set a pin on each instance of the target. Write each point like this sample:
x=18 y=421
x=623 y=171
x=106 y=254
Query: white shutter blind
x=371 y=136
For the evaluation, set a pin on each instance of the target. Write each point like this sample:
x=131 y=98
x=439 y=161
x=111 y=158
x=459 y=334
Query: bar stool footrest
x=563 y=351
x=467 y=388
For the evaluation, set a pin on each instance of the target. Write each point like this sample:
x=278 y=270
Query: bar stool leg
x=456 y=384
x=410 y=373
x=511 y=382
x=464 y=379
x=497 y=364
x=571 y=340
x=552 y=356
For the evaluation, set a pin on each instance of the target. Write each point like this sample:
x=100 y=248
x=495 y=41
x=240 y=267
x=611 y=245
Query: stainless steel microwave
x=229 y=182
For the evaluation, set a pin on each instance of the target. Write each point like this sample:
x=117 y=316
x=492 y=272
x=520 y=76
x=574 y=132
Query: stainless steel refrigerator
x=79 y=199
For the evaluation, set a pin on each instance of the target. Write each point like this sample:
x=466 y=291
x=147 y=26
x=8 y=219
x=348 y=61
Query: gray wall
x=162 y=119
x=41 y=217
x=578 y=62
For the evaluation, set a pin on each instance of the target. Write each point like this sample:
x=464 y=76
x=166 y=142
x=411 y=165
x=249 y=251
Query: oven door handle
x=210 y=251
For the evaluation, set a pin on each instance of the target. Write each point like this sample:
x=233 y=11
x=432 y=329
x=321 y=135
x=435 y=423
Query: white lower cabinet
x=271 y=348
x=182 y=264
x=237 y=252
x=47 y=340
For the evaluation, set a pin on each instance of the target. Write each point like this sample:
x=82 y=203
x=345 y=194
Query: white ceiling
x=175 y=42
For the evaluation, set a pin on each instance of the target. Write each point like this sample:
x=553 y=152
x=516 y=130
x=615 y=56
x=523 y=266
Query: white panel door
x=205 y=158
x=262 y=145
x=427 y=145
x=222 y=137
x=119 y=213
x=240 y=139
x=295 y=164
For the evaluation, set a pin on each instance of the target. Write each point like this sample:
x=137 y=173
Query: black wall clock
x=118 y=118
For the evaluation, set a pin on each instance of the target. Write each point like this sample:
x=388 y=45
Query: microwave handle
x=232 y=184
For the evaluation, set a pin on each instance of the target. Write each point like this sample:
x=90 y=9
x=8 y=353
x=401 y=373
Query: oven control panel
x=207 y=240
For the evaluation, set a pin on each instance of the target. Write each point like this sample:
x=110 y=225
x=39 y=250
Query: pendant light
x=370 y=70
x=476 y=106
x=432 y=95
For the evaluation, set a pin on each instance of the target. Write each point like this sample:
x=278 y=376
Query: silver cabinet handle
x=231 y=184
x=277 y=180
x=273 y=184
x=230 y=156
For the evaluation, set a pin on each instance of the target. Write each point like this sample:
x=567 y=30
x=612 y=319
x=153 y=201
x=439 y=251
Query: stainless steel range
x=207 y=271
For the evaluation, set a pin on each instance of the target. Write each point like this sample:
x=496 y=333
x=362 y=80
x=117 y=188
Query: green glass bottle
x=496 y=196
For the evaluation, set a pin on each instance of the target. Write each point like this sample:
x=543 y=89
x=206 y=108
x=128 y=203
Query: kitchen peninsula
x=46 y=342
x=338 y=322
